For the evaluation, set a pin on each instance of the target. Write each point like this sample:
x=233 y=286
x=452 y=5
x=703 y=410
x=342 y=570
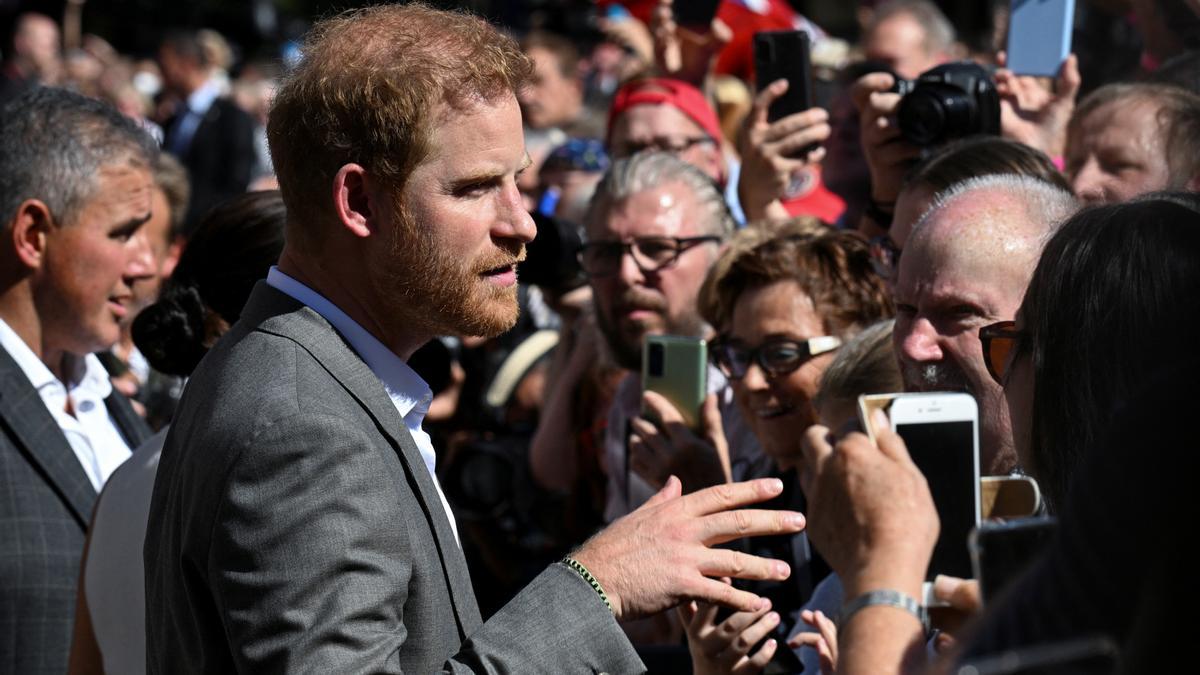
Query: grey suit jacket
x=45 y=503
x=295 y=528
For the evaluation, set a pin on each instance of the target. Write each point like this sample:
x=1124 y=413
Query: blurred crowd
x=1034 y=242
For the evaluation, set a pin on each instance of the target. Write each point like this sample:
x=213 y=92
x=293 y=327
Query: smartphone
x=941 y=432
x=677 y=368
x=1001 y=552
x=1009 y=497
x=784 y=54
x=695 y=14
x=1039 y=35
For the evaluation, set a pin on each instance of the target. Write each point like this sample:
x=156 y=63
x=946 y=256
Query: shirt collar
x=410 y=394
x=201 y=100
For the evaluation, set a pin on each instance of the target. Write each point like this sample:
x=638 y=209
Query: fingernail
x=762 y=603
x=796 y=520
x=944 y=585
x=775 y=486
x=782 y=569
x=773 y=617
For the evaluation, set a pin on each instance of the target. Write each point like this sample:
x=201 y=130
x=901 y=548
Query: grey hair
x=864 y=365
x=652 y=169
x=939 y=32
x=54 y=142
x=1043 y=202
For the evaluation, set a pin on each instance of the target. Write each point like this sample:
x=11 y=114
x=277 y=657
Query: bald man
x=966 y=265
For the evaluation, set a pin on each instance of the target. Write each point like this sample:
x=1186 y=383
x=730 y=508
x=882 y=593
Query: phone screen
x=944 y=452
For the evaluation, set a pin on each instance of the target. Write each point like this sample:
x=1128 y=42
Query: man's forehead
x=668 y=210
x=650 y=120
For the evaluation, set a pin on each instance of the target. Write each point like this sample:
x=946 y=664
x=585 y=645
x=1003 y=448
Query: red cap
x=661 y=90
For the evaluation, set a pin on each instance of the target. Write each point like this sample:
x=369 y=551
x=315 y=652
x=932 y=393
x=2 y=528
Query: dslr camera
x=950 y=101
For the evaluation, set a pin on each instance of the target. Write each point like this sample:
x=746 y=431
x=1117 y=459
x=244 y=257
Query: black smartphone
x=784 y=55
x=695 y=14
x=1001 y=552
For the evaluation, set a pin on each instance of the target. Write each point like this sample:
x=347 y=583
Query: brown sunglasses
x=999 y=340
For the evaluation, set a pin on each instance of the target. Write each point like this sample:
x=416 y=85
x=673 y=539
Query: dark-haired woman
x=233 y=248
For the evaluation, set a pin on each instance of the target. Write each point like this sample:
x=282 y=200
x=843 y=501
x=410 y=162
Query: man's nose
x=513 y=220
x=1088 y=182
x=140 y=263
x=919 y=343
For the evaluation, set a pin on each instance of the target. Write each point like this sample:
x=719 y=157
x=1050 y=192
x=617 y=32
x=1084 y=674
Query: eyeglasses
x=674 y=146
x=775 y=357
x=650 y=254
x=999 y=341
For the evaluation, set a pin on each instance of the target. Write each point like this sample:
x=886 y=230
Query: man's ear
x=29 y=232
x=354 y=200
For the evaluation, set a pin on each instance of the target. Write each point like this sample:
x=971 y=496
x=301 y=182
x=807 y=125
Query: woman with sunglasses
x=783 y=298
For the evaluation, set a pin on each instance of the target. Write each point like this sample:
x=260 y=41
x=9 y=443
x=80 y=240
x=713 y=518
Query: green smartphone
x=677 y=368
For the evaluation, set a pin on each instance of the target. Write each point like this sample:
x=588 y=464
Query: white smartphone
x=1039 y=35
x=941 y=432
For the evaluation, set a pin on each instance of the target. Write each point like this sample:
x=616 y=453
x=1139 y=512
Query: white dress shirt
x=408 y=391
x=91 y=432
x=191 y=114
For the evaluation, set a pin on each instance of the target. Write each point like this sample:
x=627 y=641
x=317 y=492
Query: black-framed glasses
x=650 y=254
x=666 y=144
x=775 y=357
x=999 y=341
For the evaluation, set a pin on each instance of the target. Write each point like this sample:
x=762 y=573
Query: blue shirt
x=409 y=393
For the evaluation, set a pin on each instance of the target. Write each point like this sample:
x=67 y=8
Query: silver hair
x=864 y=365
x=939 y=32
x=54 y=142
x=652 y=169
x=1044 y=203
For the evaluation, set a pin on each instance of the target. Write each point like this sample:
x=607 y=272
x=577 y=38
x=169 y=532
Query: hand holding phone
x=784 y=55
x=676 y=367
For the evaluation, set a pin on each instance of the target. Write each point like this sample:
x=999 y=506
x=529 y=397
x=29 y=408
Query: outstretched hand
x=682 y=53
x=720 y=648
x=661 y=554
x=824 y=639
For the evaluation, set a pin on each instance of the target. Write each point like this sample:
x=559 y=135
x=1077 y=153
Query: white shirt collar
x=407 y=390
x=201 y=100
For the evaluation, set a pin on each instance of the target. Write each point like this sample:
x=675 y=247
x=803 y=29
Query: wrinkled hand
x=870 y=510
x=681 y=53
x=887 y=153
x=772 y=153
x=966 y=602
x=725 y=647
x=671 y=448
x=824 y=640
x=1033 y=115
x=660 y=555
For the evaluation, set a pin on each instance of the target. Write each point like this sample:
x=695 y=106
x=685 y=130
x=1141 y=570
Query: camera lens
x=922 y=116
x=655 y=364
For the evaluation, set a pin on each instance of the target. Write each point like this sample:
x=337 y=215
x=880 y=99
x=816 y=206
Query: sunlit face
x=964 y=269
x=451 y=265
x=551 y=98
x=1117 y=152
x=632 y=304
x=666 y=128
x=898 y=42
x=83 y=289
x=153 y=251
x=778 y=408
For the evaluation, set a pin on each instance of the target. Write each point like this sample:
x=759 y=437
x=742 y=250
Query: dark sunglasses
x=999 y=341
x=775 y=357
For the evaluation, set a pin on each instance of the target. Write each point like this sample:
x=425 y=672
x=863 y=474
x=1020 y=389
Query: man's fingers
x=760 y=659
x=764 y=99
x=863 y=87
x=715 y=592
x=719 y=528
x=731 y=496
x=805 y=639
x=792 y=145
x=756 y=630
x=1068 y=81
x=782 y=128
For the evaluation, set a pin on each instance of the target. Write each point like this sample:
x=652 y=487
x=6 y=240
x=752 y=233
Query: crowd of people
x=337 y=364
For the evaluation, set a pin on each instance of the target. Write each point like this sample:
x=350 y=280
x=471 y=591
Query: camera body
x=950 y=101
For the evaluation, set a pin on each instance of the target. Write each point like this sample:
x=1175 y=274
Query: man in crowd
x=554 y=96
x=966 y=265
x=1128 y=139
x=209 y=133
x=75 y=188
x=297 y=520
x=35 y=57
x=909 y=37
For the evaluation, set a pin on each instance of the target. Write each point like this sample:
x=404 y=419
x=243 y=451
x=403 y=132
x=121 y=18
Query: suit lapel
x=277 y=313
x=37 y=434
x=131 y=425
